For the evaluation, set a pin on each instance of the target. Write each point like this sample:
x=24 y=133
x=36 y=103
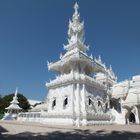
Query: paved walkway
x=12 y=130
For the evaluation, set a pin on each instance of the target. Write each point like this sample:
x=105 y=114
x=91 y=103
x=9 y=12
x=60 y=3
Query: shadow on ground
x=2 y=130
x=75 y=134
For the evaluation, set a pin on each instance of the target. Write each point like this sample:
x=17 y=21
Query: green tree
x=1 y=110
x=23 y=102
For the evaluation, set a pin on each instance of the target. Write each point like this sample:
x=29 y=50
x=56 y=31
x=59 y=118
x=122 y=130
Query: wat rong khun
x=85 y=91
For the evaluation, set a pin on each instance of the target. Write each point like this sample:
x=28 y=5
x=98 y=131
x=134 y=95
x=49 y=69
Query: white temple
x=85 y=91
x=76 y=96
x=13 y=108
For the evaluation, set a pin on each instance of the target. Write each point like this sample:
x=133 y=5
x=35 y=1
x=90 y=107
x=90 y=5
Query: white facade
x=85 y=91
x=125 y=99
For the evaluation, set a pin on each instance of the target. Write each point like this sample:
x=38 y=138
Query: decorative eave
x=79 y=45
x=76 y=78
x=13 y=107
x=77 y=56
x=14 y=102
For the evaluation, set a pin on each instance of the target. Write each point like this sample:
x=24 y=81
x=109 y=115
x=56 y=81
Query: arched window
x=104 y=83
x=89 y=101
x=54 y=103
x=99 y=103
x=132 y=118
x=65 y=103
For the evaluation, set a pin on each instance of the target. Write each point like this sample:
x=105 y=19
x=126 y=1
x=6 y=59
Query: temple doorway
x=132 y=118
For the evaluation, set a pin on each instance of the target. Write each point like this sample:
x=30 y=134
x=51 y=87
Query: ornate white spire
x=14 y=103
x=15 y=98
x=76 y=15
x=76 y=29
x=16 y=92
x=76 y=32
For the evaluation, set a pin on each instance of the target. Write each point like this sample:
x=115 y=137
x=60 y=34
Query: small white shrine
x=13 y=108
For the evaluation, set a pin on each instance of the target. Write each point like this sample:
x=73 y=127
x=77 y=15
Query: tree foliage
x=5 y=102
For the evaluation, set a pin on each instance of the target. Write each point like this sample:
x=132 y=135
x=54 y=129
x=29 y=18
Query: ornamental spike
x=110 y=67
x=76 y=16
x=16 y=92
x=76 y=7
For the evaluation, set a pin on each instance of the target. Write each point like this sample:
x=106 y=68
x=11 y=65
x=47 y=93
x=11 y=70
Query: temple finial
x=16 y=92
x=76 y=32
x=99 y=59
x=76 y=7
x=76 y=15
x=110 y=67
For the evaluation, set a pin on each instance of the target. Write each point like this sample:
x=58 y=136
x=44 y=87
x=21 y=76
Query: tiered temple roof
x=76 y=55
x=76 y=50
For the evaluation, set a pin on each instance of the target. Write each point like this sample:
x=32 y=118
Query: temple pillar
x=84 y=114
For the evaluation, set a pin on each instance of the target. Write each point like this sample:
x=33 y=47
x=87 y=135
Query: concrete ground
x=13 y=130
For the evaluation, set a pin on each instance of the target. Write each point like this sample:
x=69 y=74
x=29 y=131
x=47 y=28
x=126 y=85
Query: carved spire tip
x=76 y=6
x=110 y=67
x=16 y=92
